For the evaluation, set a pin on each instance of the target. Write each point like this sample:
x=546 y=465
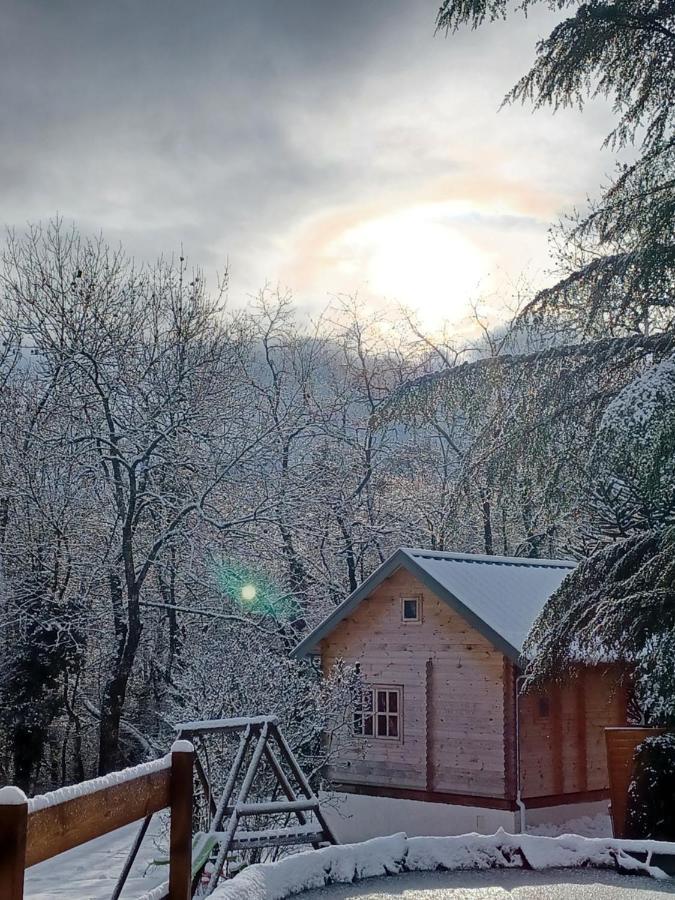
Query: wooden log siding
x=562 y=748
x=458 y=730
x=452 y=685
x=46 y=832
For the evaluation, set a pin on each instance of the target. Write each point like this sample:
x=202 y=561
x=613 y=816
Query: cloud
x=266 y=133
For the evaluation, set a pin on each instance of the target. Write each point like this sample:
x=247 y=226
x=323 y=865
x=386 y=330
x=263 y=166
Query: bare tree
x=138 y=361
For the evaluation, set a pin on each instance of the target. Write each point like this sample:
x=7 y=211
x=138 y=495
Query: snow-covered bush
x=246 y=670
x=651 y=806
x=252 y=676
x=655 y=678
x=633 y=458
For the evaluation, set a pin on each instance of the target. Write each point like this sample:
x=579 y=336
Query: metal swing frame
x=261 y=736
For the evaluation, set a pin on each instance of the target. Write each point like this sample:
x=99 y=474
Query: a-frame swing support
x=262 y=735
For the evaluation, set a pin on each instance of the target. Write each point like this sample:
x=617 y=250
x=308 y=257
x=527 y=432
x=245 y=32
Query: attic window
x=411 y=609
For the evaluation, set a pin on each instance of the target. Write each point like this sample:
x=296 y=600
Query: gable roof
x=500 y=596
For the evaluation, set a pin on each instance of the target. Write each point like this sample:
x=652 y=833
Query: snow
x=475 y=851
x=330 y=865
x=511 y=884
x=12 y=796
x=90 y=871
x=398 y=853
x=588 y=826
x=157 y=893
x=308 y=828
x=182 y=746
x=241 y=722
x=358 y=817
x=642 y=401
x=71 y=791
x=506 y=593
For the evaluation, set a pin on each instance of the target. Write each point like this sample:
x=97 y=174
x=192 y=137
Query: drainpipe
x=522 y=825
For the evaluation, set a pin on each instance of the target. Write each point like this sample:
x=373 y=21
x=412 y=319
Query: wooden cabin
x=438 y=640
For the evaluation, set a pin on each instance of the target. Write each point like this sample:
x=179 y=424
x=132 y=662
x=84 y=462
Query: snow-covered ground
x=587 y=826
x=357 y=817
x=89 y=872
x=502 y=884
x=398 y=855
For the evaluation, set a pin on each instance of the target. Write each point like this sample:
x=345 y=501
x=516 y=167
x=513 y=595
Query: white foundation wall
x=356 y=817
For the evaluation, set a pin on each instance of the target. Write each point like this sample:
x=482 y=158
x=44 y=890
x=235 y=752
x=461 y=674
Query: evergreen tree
x=617 y=259
x=617 y=605
x=48 y=645
x=632 y=462
x=620 y=603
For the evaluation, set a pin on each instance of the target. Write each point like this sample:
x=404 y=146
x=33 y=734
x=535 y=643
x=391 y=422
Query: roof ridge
x=501 y=607
x=489 y=559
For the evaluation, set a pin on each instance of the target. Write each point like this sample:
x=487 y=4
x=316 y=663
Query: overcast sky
x=325 y=146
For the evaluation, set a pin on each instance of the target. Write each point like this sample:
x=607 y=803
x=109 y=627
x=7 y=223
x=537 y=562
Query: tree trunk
x=112 y=707
x=167 y=590
x=114 y=693
x=28 y=749
x=487 y=525
x=349 y=555
x=74 y=721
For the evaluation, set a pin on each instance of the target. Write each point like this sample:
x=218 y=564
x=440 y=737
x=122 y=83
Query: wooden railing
x=32 y=831
x=621 y=744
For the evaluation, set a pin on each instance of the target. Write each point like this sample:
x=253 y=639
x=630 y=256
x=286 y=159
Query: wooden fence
x=31 y=832
x=621 y=744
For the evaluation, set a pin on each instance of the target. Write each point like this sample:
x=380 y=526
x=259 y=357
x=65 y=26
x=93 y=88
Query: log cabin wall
x=452 y=688
x=562 y=734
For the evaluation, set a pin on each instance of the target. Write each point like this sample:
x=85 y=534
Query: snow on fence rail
x=398 y=853
x=32 y=831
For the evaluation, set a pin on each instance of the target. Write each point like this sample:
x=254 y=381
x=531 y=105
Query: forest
x=188 y=485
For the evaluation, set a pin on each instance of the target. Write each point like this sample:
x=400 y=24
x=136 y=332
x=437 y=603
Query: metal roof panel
x=500 y=596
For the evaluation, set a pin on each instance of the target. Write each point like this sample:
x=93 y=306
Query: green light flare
x=254 y=592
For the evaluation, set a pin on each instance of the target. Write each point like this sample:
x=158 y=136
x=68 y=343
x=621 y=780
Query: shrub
x=651 y=810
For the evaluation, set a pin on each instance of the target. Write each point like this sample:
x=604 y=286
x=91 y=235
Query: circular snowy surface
x=502 y=884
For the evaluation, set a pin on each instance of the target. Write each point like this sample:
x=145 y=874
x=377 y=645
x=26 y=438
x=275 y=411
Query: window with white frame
x=378 y=713
x=411 y=609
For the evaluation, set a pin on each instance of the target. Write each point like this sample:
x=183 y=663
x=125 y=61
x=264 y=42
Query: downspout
x=522 y=824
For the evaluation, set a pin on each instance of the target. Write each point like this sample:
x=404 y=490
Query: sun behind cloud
x=437 y=249
x=415 y=257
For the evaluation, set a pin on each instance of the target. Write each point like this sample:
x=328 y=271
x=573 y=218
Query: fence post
x=13 y=824
x=180 y=854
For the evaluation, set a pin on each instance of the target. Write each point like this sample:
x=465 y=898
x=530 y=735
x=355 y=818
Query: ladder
x=261 y=738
